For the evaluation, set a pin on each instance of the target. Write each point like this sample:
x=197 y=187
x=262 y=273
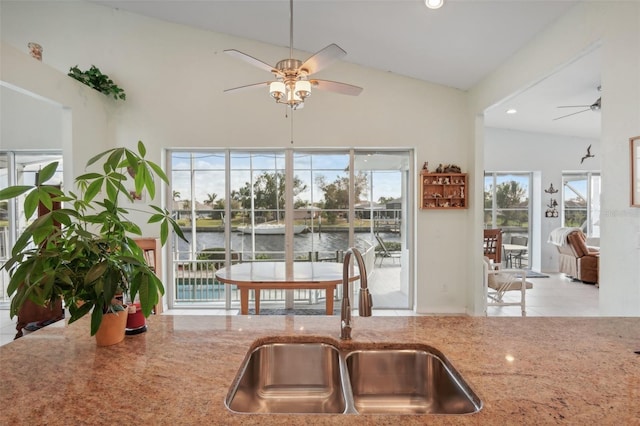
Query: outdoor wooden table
x=278 y=275
x=514 y=247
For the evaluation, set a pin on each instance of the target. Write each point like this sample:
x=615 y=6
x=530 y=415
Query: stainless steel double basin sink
x=323 y=377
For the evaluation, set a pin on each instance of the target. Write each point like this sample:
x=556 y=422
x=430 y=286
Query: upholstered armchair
x=577 y=260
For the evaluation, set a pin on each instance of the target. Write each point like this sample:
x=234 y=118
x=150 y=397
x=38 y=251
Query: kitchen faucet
x=364 y=307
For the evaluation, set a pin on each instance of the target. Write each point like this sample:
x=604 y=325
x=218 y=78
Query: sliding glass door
x=235 y=204
x=382 y=219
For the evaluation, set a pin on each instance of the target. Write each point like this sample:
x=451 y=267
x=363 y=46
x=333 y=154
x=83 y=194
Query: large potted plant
x=83 y=252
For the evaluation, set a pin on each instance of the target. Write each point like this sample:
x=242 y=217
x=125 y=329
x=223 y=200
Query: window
x=323 y=200
x=19 y=168
x=507 y=203
x=581 y=202
x=238 y=201
x=506 y=200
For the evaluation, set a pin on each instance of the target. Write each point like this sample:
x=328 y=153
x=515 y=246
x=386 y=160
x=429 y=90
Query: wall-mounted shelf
x=443 y=190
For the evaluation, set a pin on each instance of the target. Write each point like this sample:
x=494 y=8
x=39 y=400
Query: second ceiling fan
x=596 y=106
x=293 y=83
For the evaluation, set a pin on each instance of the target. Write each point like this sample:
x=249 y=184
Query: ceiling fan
x=596 y=106
x=293 y=83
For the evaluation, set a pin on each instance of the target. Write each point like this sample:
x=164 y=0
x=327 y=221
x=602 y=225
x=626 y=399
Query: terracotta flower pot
x=112 y=328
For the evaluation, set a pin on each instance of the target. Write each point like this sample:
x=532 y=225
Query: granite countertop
x=525 y=370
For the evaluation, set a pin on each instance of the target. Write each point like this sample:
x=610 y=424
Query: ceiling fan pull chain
x=291 y=127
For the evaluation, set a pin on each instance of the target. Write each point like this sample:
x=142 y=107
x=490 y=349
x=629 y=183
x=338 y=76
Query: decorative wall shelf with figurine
x=443 y=190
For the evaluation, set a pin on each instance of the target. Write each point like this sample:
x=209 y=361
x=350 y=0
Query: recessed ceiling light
x=512 y=111
x=434 y=4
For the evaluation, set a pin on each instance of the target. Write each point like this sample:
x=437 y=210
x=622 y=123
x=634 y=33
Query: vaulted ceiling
x=457 y=45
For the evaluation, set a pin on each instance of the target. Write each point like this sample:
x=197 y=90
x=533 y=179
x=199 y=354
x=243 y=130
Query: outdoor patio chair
x=384 y=253
x=499 y=281
x=520 y=256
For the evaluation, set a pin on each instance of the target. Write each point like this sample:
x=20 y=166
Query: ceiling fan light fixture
x=302 y=89
x=294 y=101
x=293 y=97
x=434 y=4
x=277 y=90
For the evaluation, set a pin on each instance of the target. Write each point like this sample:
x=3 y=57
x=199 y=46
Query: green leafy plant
x=94 y=78
x=83 y=252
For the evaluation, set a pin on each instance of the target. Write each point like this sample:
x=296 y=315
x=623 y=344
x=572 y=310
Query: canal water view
x=324 y=243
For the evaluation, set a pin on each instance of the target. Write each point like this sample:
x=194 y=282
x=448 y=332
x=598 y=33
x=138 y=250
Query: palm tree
x=176 y=195
x=211 y=198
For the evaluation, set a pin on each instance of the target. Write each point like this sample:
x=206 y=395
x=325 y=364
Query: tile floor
x=556 y=296
x=8 y=327
x=553 y=296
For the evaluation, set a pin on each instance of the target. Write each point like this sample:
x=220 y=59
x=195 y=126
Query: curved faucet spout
x=366 y=303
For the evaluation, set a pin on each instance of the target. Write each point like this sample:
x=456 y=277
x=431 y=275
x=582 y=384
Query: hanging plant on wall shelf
x=94 y=78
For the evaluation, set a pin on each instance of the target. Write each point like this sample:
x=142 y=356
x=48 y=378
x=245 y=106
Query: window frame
x=590 y=226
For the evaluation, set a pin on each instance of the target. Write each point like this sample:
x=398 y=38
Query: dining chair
x=493 y=244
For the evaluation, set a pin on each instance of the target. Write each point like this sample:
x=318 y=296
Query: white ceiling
x=576 y=84
x=457 y=45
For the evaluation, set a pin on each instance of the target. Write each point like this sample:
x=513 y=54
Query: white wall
x=548 y=156
x=28 y=121
x=174 y=78
x=616 y=25
x=81 y=122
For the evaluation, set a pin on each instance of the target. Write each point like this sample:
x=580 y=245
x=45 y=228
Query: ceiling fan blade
x=569 y=115
x=251 y=60
x=574 y=106
x=322 y=59
x=334 y=86
x=248 y=86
